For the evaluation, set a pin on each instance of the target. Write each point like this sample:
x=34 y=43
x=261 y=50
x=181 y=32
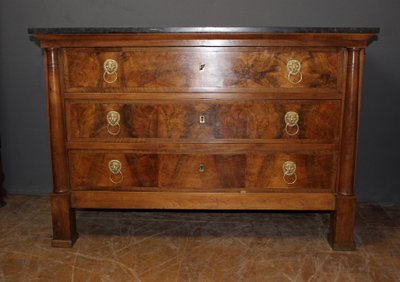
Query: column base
x=63 y=217
x=64 y=243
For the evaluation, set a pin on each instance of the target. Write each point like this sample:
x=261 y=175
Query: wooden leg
x=2 y=202
x=2 y=190
x=64 y=227
x=341 y=236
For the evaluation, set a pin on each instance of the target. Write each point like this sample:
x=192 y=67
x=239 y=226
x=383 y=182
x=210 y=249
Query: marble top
x=94 y=30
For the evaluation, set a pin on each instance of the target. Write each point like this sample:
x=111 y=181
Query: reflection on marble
x=196 y=246
x=271 y=29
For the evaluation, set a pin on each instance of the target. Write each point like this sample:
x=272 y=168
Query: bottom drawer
x=97 y=170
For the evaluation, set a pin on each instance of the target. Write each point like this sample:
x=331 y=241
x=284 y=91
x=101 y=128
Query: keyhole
x=202 y=66
x=202 y=119
x=202 y=168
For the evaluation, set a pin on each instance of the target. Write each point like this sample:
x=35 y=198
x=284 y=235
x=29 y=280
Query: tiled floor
x=196 y=246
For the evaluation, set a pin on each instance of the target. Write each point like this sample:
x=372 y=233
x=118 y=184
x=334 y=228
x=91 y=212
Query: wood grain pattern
x=341 y=233
x=178 y=69
x=213 y=201
x=180 y=172
x=56 y=122
x=351 y=112
x=192 y=39
x=239 y=83
x=318 y=120
x=64 y=222
x=315 y=170
x=90 y=170
x=222 y=147
x=220 y=171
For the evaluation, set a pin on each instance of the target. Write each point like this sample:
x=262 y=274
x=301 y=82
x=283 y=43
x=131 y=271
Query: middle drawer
x=204 y=121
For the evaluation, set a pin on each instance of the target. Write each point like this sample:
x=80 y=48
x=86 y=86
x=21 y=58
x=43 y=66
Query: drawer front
x=181 y=69
x=164 y=171
x=202 y=172
x=314 y=170
x=95 y=170
x=311 y=121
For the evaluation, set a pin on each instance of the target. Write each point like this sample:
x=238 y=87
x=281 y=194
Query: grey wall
x=23 y=121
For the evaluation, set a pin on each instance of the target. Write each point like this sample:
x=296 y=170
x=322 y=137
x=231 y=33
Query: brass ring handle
x=292 y=133
x=116 y=176
x=113 y=132
x=289 y=77
x=291 y=120
x=288 y=181
x=289 y=170
x=118 y=180
x=110 y=67
x=114 y=79
x=113 y=127
x=294 y=69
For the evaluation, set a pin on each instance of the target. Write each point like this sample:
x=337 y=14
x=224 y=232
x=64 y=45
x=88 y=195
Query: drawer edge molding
x=211 y=201
x=187 y=148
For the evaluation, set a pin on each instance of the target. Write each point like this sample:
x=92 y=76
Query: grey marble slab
x=97 y=30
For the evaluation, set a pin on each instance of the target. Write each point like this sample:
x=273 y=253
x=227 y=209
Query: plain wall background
x=23 y=118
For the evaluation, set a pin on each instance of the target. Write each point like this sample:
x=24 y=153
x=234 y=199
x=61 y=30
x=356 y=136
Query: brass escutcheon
x=116 y=176
x=291 y=120
x=110 y=67
x=289 y=169
x=114 y=166
x=113 y=118
x=294 y=69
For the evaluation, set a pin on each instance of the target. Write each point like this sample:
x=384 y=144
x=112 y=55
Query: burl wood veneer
x=204 y=118
x=225 y=69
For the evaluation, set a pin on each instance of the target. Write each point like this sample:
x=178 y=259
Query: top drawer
x=202 y=69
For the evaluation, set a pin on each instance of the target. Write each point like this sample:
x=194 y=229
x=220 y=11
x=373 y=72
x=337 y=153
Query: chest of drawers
x=204 y=118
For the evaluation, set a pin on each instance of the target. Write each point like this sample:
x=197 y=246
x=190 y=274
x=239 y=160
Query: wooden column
x=341 y=234
x=64 y=231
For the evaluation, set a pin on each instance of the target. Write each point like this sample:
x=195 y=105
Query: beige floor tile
x=196 y=246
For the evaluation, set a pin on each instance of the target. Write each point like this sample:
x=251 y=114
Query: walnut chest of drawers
x=204 y=118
